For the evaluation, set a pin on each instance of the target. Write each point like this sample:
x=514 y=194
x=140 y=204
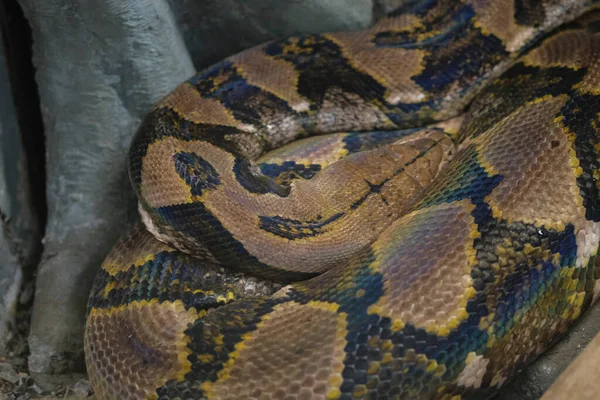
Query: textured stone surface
x=19 y=232
x=100 y=67
x=9 y=150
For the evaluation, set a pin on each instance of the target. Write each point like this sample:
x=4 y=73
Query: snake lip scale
x=409 y=211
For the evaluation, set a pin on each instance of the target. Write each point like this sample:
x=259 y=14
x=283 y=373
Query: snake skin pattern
x=408 y=211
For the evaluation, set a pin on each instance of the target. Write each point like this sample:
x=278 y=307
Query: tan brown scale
x=133 y=350
x=443 y=283
x=572 y=49
x=531 y=133
x=408 y=246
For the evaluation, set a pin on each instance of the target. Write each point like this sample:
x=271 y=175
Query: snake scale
x=407 y=211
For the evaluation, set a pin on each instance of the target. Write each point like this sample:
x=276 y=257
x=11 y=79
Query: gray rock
x=8 y=373
x=101 y=65
x=81 y=388
x=19 y=228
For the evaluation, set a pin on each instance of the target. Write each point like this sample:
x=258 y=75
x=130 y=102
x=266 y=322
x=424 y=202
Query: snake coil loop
x=407 y=211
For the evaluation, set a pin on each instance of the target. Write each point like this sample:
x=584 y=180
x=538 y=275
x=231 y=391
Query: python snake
x=406 y=211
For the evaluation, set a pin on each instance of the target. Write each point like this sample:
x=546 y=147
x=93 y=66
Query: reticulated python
x=432 y=228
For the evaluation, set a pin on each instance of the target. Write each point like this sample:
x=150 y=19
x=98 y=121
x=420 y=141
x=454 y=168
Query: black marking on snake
x=96 y=298
x=251 y=178
x=360 y=201
x=464 y=179
x=293 y=229
x=210 y=79
x=453 y=23
x=519 y=85
x=449 y=351
x=355 y=142
x=525 y=278
x=455 y=54
x=179 y=390
x=197 y=173
x=508 y=296
x=360 y=324
x=289 y=170
x=248 y=103
x=462 y=63
x=586 y=127
x=530 y=12
x=219 y=241
x=565 y=244
x=165 y=123
x=376 y=189
x=243 y=317
x=314 y=57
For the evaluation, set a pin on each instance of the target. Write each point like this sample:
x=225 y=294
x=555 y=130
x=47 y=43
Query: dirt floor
x=15 y=381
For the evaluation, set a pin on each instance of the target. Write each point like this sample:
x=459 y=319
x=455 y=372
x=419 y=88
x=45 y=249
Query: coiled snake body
x=407 y=211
